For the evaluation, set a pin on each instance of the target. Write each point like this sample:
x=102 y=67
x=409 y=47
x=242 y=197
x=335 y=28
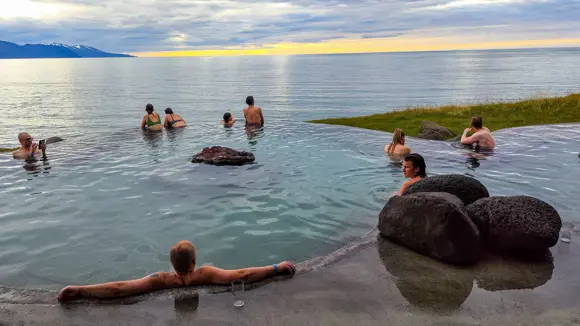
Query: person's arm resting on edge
x=109 y=290
x=214 y=275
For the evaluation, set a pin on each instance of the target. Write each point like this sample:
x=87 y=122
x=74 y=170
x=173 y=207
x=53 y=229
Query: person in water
x=183 y=260
x=397 y=146
x=482 y=136
x=414 y=168
x=253 y=114
x=28 y=150
x=151 y=120
x=173 y=120
x=228 y=120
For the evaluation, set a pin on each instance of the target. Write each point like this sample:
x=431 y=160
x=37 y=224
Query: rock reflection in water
x=185 y=306
x=495 y=273
x=425 y=282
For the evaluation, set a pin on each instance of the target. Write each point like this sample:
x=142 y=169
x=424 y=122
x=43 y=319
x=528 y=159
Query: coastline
x=496 y=116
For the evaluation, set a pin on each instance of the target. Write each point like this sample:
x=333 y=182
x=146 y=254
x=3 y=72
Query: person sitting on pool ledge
x=414 y=168
x=182 y=258
x=28 y=150
x=253 y=114
x=397 y=146
x=151 y=120
x=482 y=136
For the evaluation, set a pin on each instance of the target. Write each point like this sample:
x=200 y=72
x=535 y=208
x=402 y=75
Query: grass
x=496 y=116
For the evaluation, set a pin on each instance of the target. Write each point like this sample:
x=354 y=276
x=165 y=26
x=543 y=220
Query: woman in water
x=173 y=120
x=151 y=120
x=228 y=120
x=397 y=146
x=414 y=168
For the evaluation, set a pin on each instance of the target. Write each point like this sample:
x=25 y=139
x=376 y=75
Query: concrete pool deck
x=370 y=282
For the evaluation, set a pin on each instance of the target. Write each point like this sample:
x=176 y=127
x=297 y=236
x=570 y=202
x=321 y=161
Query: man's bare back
x=253 y=114
x=482 y=136
x=254 y=117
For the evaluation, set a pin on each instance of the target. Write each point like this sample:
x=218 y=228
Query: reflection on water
x=185 y=306
x=495 y=273
x=429 y=284
x=425 y=282
x=254 y=134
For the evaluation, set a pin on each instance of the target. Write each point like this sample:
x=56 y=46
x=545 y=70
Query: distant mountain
x=54 y=50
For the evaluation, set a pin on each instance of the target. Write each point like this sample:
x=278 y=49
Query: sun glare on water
x=27 y=9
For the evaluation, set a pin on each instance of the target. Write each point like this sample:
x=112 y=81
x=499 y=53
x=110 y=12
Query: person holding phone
x=29 y=150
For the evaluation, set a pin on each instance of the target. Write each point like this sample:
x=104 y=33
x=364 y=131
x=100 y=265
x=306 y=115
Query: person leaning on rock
x=414 y=167
x=183 y=259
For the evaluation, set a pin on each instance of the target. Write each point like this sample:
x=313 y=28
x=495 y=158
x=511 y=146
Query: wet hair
x=398 y=135
x=168 y=111
x=477 y=122
x=149 y=108
x=182 y=257
x=250 y=100
x=418 y=162
x=227 y=116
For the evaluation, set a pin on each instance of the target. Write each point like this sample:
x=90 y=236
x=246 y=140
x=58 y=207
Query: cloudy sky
x=303 y=26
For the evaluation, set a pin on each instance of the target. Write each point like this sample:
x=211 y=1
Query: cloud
x=165 y=25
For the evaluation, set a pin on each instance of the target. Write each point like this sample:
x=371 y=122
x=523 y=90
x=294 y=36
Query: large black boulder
x=434 y=224
x=218 y=155
x=510 y=224
x=466 y=188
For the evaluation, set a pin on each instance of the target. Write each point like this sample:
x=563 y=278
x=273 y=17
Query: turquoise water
x=111 y=200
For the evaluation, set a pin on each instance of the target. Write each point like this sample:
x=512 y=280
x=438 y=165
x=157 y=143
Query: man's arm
x=149 y=283
x=216 y=275
x=469 y=140
x=261 y=116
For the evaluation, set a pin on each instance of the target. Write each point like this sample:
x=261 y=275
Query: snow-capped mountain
x=53 y=50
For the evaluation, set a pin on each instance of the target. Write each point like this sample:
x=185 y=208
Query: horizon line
x=363 y=46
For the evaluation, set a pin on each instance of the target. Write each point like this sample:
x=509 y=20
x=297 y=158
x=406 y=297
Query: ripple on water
x=314 y=188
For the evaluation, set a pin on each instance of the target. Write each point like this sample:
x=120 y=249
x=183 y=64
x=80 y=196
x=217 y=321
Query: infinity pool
x=109 y=207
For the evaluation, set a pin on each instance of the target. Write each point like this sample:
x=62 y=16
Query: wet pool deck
x=372 y=282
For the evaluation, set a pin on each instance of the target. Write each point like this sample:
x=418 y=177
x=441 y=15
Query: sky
x=256 y=27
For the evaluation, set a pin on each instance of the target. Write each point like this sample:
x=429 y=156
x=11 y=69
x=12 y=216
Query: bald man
x=28 y=150
x=182 y=257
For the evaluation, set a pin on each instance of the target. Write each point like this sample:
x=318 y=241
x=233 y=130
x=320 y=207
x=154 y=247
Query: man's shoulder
x=19 y=153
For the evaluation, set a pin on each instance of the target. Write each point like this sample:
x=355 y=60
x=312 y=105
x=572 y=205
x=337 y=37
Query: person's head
x=168 y=111
x=398 y=137
x=25 y=139
x=182 y=256
x=477 y=122
x=414 y=166
x=149 y=108
x=250 y=100
x=227 y=117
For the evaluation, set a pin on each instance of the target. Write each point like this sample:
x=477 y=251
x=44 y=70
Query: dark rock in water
x=467 y=189
x=51 y=140
x=426 y=283
x=516 y=223
x=495 y=273
x=433 y=131
x=434 y=224
x=218 y=155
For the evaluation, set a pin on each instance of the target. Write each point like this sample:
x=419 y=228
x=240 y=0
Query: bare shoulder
x=162 y=280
